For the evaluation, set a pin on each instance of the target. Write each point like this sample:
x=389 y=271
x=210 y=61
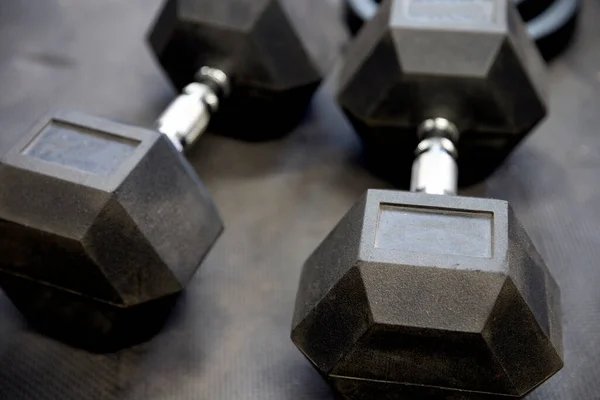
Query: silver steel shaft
x=188 y=115
x=435 y=170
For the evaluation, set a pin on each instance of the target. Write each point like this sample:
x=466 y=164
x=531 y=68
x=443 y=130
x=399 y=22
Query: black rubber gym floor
x=229 y=335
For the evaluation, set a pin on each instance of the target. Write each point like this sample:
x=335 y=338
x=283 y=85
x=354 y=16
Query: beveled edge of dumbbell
x=140 y=139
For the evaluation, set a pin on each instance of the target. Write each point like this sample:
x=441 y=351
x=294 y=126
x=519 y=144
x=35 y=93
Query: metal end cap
x=438 y=127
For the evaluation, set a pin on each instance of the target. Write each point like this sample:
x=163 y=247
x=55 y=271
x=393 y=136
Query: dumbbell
x=486 y=85
x=102 y=224
x=254 y=47
x=425 y=294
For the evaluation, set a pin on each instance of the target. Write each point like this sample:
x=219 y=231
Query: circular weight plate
x=551 y=23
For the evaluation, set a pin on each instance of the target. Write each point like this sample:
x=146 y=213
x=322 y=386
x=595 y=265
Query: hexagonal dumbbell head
x=255 y=43
x=469 y=61
x=430 y=296
x=101 y=226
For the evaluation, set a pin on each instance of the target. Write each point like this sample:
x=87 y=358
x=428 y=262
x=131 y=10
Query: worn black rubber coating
x=102 y=225
x=253 y=41
x=429 y=296
x=558 y=18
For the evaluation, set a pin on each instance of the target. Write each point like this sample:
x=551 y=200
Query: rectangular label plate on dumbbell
x=452 y=11
x=80 y=148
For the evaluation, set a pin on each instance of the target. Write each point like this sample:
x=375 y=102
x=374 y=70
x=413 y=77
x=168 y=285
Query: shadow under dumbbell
x=150 y=367
x=35 y=367
x=86 y=324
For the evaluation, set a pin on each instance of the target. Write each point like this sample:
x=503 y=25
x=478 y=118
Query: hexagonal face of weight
x=429 y=295
x=256 y=44
x=108 y=213
x=468 y=61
